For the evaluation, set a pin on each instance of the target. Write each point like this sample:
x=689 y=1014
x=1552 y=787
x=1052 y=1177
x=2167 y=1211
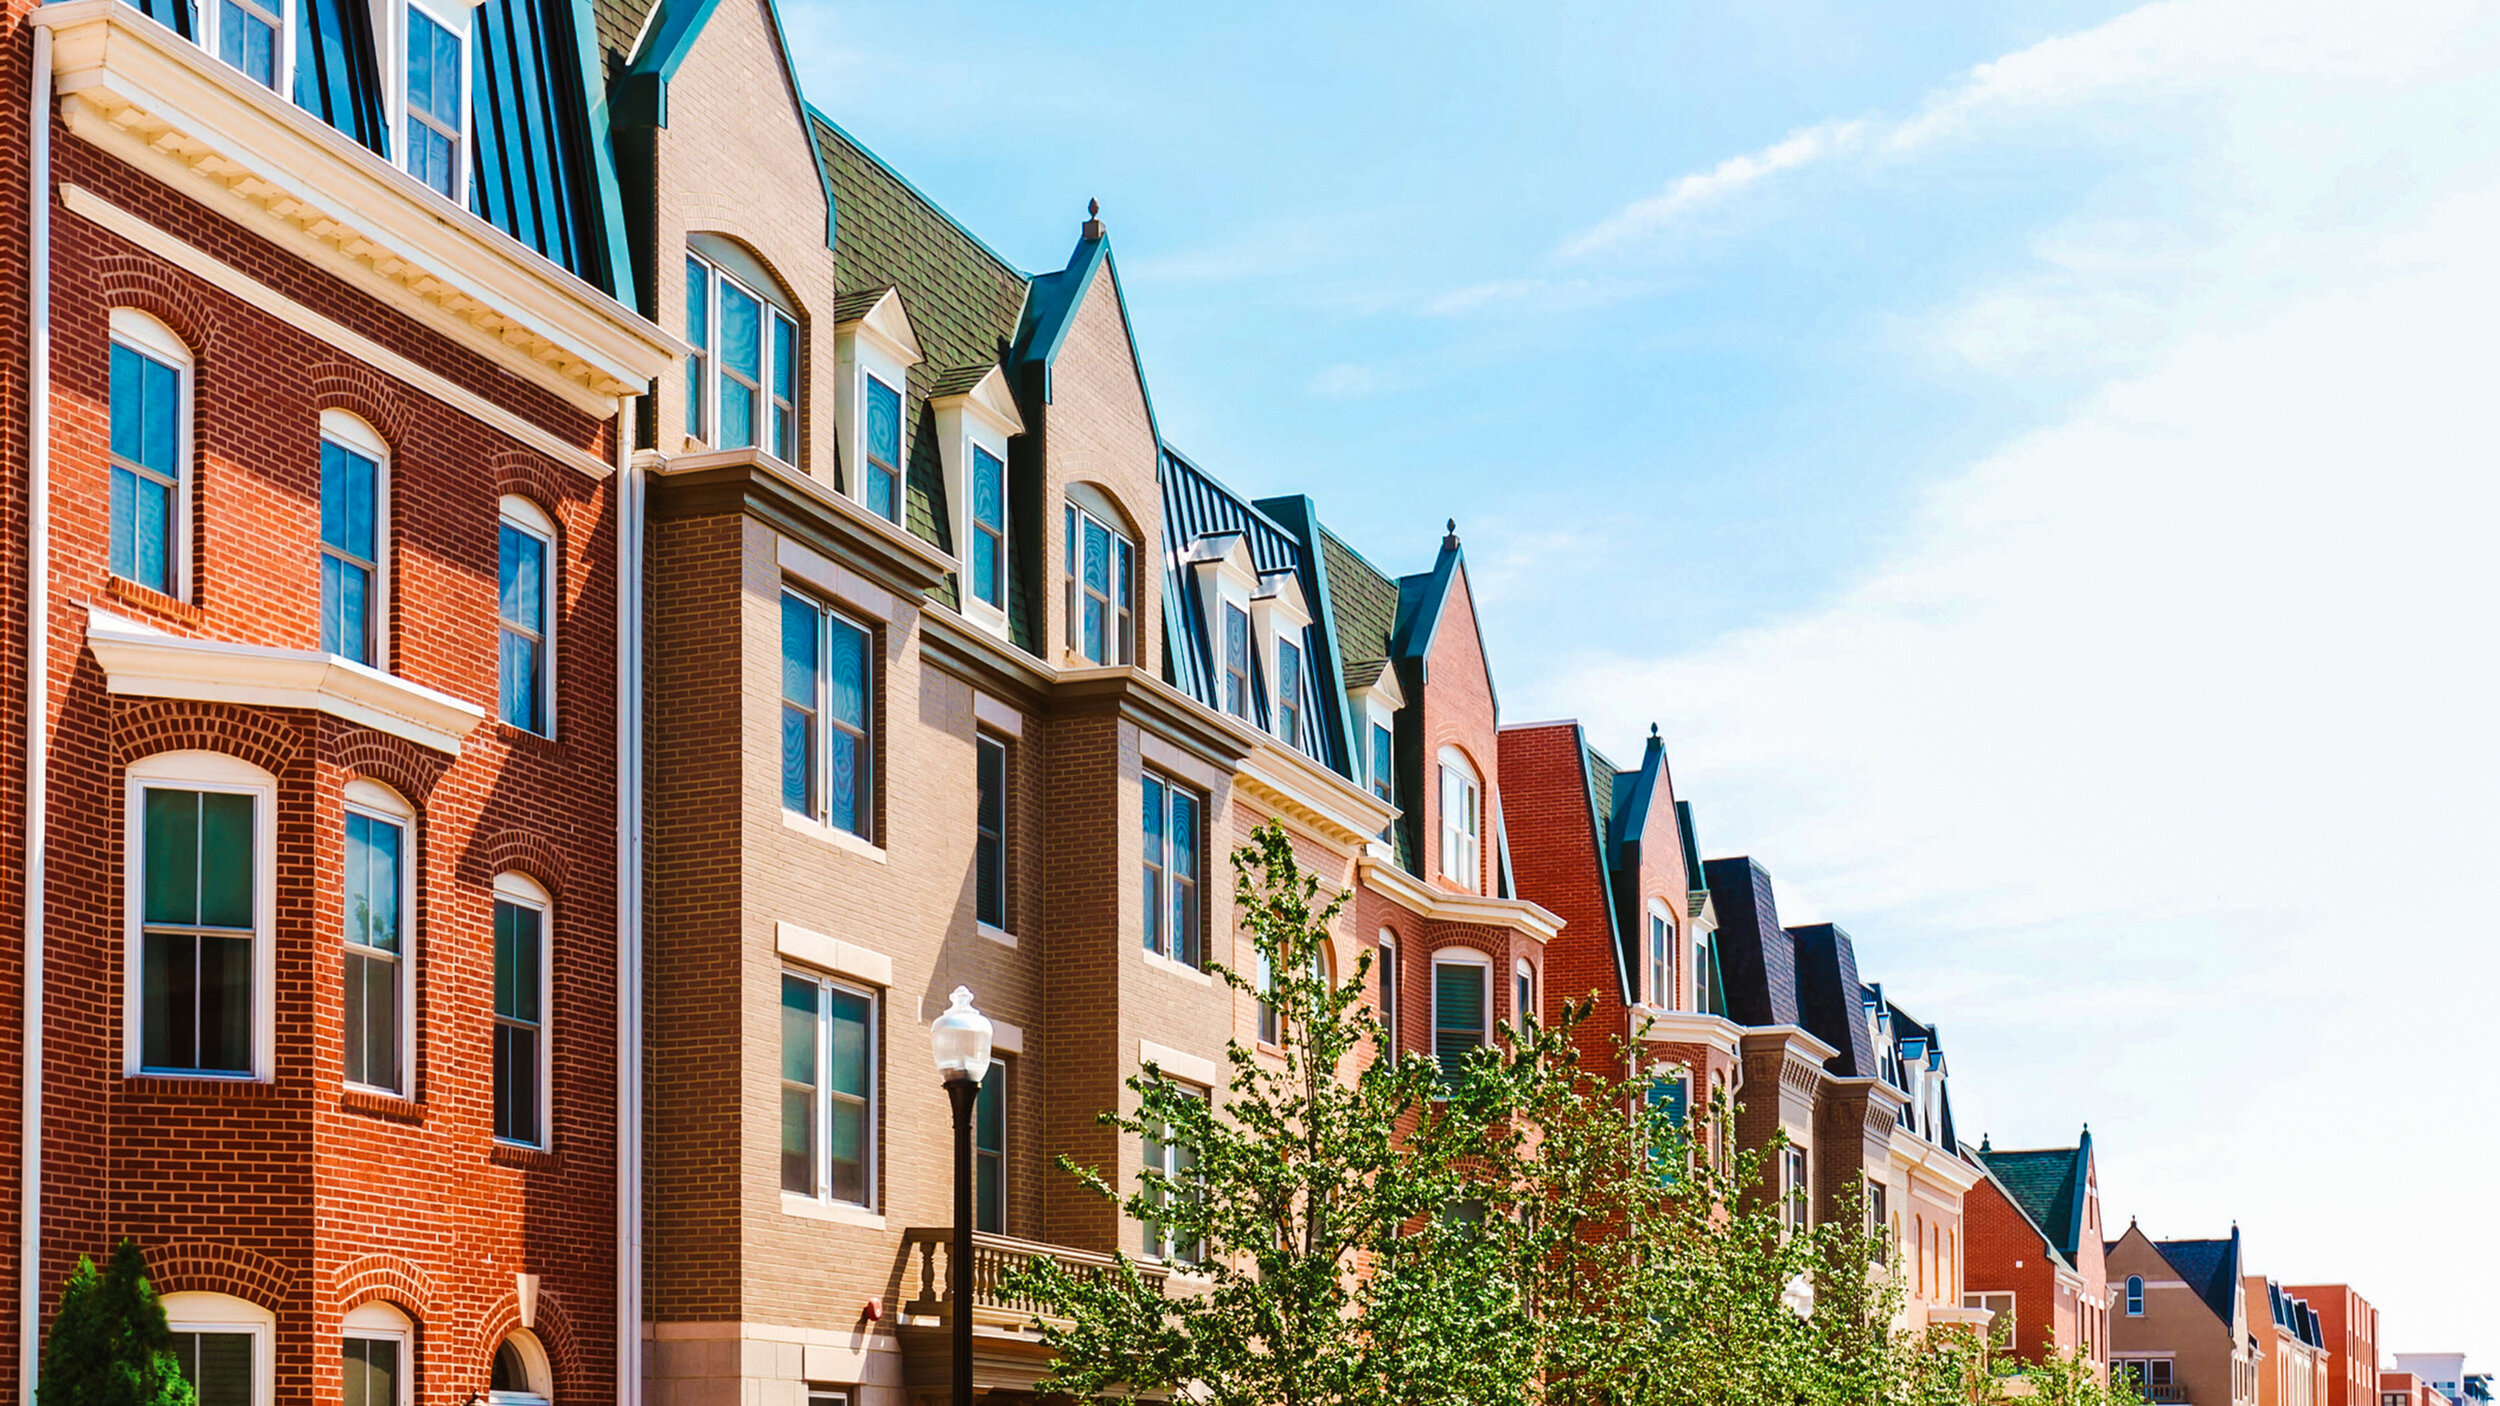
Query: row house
x=318 y=366
x=1921 y=1200
x=2180 y=1326
x=2036 y=1254
x=2348 y=1330
x=2296 y=1365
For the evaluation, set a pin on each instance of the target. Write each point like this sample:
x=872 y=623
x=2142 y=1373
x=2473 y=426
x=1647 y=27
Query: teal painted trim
x=619 y=252
x=1299 y=517
x=671 y=37
x=1051 y=310
x=1005 y=266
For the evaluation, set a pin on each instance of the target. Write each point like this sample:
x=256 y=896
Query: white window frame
x=380 y=1322
x=1483 y=965
x=533 y=1355
x=1156 y=1243
x=870 y=763
x=201 y=771
x=1288 y=691
x=356 y=437
x=522 y=515
x=200 y=1311
x=211 y=29
x=2134 y=1295
x=153 y=339
x=455 y=18
x=1523 y=994
x=820 y=1157
x=1392 y=992
x=1120 y=633
x=775 y=307
x=523 y=891
x=379 y=802
x=1461 y=857
x=1659 y=950
x=982 y=442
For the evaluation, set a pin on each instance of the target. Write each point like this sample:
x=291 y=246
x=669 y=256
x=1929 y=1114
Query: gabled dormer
x=874 y=352
x=976 y=417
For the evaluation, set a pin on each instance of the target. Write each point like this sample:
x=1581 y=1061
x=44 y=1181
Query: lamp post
x=959 y=1039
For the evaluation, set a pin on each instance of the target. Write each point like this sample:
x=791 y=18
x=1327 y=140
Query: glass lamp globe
x=960 y=1039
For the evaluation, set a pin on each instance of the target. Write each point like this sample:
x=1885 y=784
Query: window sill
x=839 y=839
x=381 y=1103
x=154 y=601
x=513 y=1154
x=514 y=735
x=1000 y=936
x=809 y=1208
x=160 y=1081
x=1159 y=962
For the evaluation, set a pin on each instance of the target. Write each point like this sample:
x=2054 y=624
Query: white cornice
x=887 y=326
x=131 y=86
x=988 y=401
x=1911 y=1150
x=1659 y=1025
x=1800 y=1042
x=1442 y=905
x=144 y=663
x=1332 y=807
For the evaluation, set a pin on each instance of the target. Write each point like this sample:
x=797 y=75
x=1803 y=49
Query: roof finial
x=1449 y=542
x=1653 y=732
x=1093 y=219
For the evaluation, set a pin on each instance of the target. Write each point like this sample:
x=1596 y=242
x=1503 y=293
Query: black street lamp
x=960 y=1041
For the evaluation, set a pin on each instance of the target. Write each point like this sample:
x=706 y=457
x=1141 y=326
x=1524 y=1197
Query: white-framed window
x=2135 y=1296
x=377 y=1356
x=989 y=849
x=1101 y=580
x=1174 y=1161
x=199 y=879
x=828 y=693
x=881 y=445
x=1236 y=646
x=1523 y=994
x=378 y=931
x=519 y=1374
x=1389 y=993
x=255 y=36
x=988 y=581
x=226 y=1347
x=1462 y=821
x=1661 y=957
x=829 y=1051
x=1878 y=1219
x=1174 y=836
x=355 y=538
x=1796 y=1191
x=989 y=1151
x=527 y=567
x=150 y=454
x=1384 y=778
x=742 y=376
x=1289 y=691
x=1706 y=978
x=1271 y=1019
x=524 y=994
x=1462 y=1007
x=818 y=1395
x=434 y=96
x=2001 y=1306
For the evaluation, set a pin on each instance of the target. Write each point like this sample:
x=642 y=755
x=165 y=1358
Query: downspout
x=38 y=709
x=629 y=571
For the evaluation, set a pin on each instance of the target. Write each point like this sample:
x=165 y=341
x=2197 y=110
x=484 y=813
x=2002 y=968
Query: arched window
x=527 y=568
x=519 y=1376
x=377 y=1356
x=1462 y=821
x=150 y=448
x=524 y=988
x=1388 y=978
x=355 y=539
x=226 y=1347
x=1462 y=1007
x=2135 y=1296
x=378 y=923
x=199 y=875
x=742 y=376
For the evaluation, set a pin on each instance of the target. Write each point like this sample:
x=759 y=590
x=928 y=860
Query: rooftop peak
x=1093 y=219
x=1449 y=543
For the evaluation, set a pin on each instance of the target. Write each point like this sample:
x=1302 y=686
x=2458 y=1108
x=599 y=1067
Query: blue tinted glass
x=125 y=551
x=849 y=1061
x=785 y=357
x=988 y=498
x=885 y=423
x=160 y=430
x=420 y=61
x=881 y=492
x=737 y=414
x=446 y=65
x=1184 y=835
x=520 y=576
x=347 y=500
x=841 y=779
x=430 y=157
x=520 y=691
x=741 y=333
x=798 y=652
x=796 y=766
x=152 y=516
x=985 y=567
x=846 y=696
x=698 y=305
x=128 y=389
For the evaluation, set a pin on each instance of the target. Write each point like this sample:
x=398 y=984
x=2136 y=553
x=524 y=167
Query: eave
x=1440 y=905
x=1655 y=1025
x=1911 y=1150
x=1135 y=696
x=135 y=89
x=141 y=662
x=1288 y=781
x=752 y=482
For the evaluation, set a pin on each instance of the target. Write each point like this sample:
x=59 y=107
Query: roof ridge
x=817 y=115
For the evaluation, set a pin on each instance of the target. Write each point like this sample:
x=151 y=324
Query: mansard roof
x=1830 y=998
x=1758 y=959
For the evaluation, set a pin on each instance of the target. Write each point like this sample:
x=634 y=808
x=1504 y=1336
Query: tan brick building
x=2180 y=1324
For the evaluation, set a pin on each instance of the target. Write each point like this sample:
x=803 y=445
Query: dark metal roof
x=1757 y=957
x=2050 y=1184
x=1830 y=1000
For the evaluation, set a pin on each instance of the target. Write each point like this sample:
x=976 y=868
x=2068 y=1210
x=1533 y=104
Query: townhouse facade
x=1923 y=1196
x=2295 y=1368
x=2037 y=1254
x=2348 y=1327
x=317 y=379
x=2182 y=1329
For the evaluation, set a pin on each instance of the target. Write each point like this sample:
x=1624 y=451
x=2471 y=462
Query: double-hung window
x=1795 y=1190
x=374 y=1356
x=375 y=912
x=1462 y=823
x=989 y=1152
x=202 y=830
x=224 y=1347
x=1173 y=1161
x=881 y=447
x=253 y=36
x=151 y=419
x=828 y=670
x=1101 y=591
x=1271 y=1017
x=1462 y=1009
x=435 y=133
x=828 y=1090
x=1384 y=764
x=2135 y=1296
x=1236 y=660
x=525 y=573
x=742 y=374
x=1289 y=691
x=989 y=851
x=1661 y=960
x=1171 y=897
x=1523 y=994
x=1388 y=962
x=989 y=528
x=352 y=488
x=522 y=988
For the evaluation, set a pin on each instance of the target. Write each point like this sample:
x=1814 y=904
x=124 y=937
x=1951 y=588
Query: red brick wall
x=297 y=1193
x=16 y=58
x=2350 y=1325
x=2001 y=1253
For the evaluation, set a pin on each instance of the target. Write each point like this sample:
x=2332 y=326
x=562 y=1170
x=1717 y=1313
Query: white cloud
x=1646 y=217
x=2156 y=762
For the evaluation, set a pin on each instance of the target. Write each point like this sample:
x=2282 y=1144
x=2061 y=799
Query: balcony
x=1007 y=1352
x=132 y=87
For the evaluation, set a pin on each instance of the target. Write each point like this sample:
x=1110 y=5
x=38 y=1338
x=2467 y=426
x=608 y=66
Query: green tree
x=109 y=1345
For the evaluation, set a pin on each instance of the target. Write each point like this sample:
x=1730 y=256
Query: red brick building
x=326 y=962
x=2348 y=1325
x=2035 y=1251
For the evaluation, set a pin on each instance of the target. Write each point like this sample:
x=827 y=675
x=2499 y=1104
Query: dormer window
x=875 y=350
x=976 y=416
x=435 y=99
x=1100 y=568
x=881 y=448
x=742 y=376
x=1289 y=691
x=989 y=529
x=1236 y=660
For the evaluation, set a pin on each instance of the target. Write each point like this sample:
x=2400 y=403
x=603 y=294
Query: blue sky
x=2035 y=462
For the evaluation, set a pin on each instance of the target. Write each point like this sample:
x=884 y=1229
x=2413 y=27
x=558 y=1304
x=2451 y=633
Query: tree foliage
x=109 y=1345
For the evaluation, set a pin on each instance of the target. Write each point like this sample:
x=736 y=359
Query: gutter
x=38 y=707
x=629 y=551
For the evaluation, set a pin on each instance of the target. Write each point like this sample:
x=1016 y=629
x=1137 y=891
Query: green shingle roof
x=2045 y=1184
x=1366 y=603
x=617 y=22
x=963 y=302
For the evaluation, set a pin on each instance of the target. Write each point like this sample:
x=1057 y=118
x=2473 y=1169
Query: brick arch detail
x=523 y=852
x=146 y=729
x=550 y=1324
x=402 y=765
x=363 y=392
x=128 y=281
x=210 y=1266
x=535 y=477
x=390 y=1278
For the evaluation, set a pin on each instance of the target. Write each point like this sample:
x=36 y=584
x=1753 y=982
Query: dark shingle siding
x=618 y=22
x=1758 y=959
x=1828 y=1000
x=1366 y=603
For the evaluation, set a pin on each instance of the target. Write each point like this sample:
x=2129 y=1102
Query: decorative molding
x=132 y=87
x=1286 y=780
x=885 y=324
x=1658 y=1025
x=827 y=523
x=208 y=268
x=834 y=955
x=1181 y=1064
x=987 y=400
x=145 y=663
x=1440 y=905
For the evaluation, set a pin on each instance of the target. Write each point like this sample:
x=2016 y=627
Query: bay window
x=199 y=872
x=378 y=908
x=522 y=989
x=1462 y=1008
